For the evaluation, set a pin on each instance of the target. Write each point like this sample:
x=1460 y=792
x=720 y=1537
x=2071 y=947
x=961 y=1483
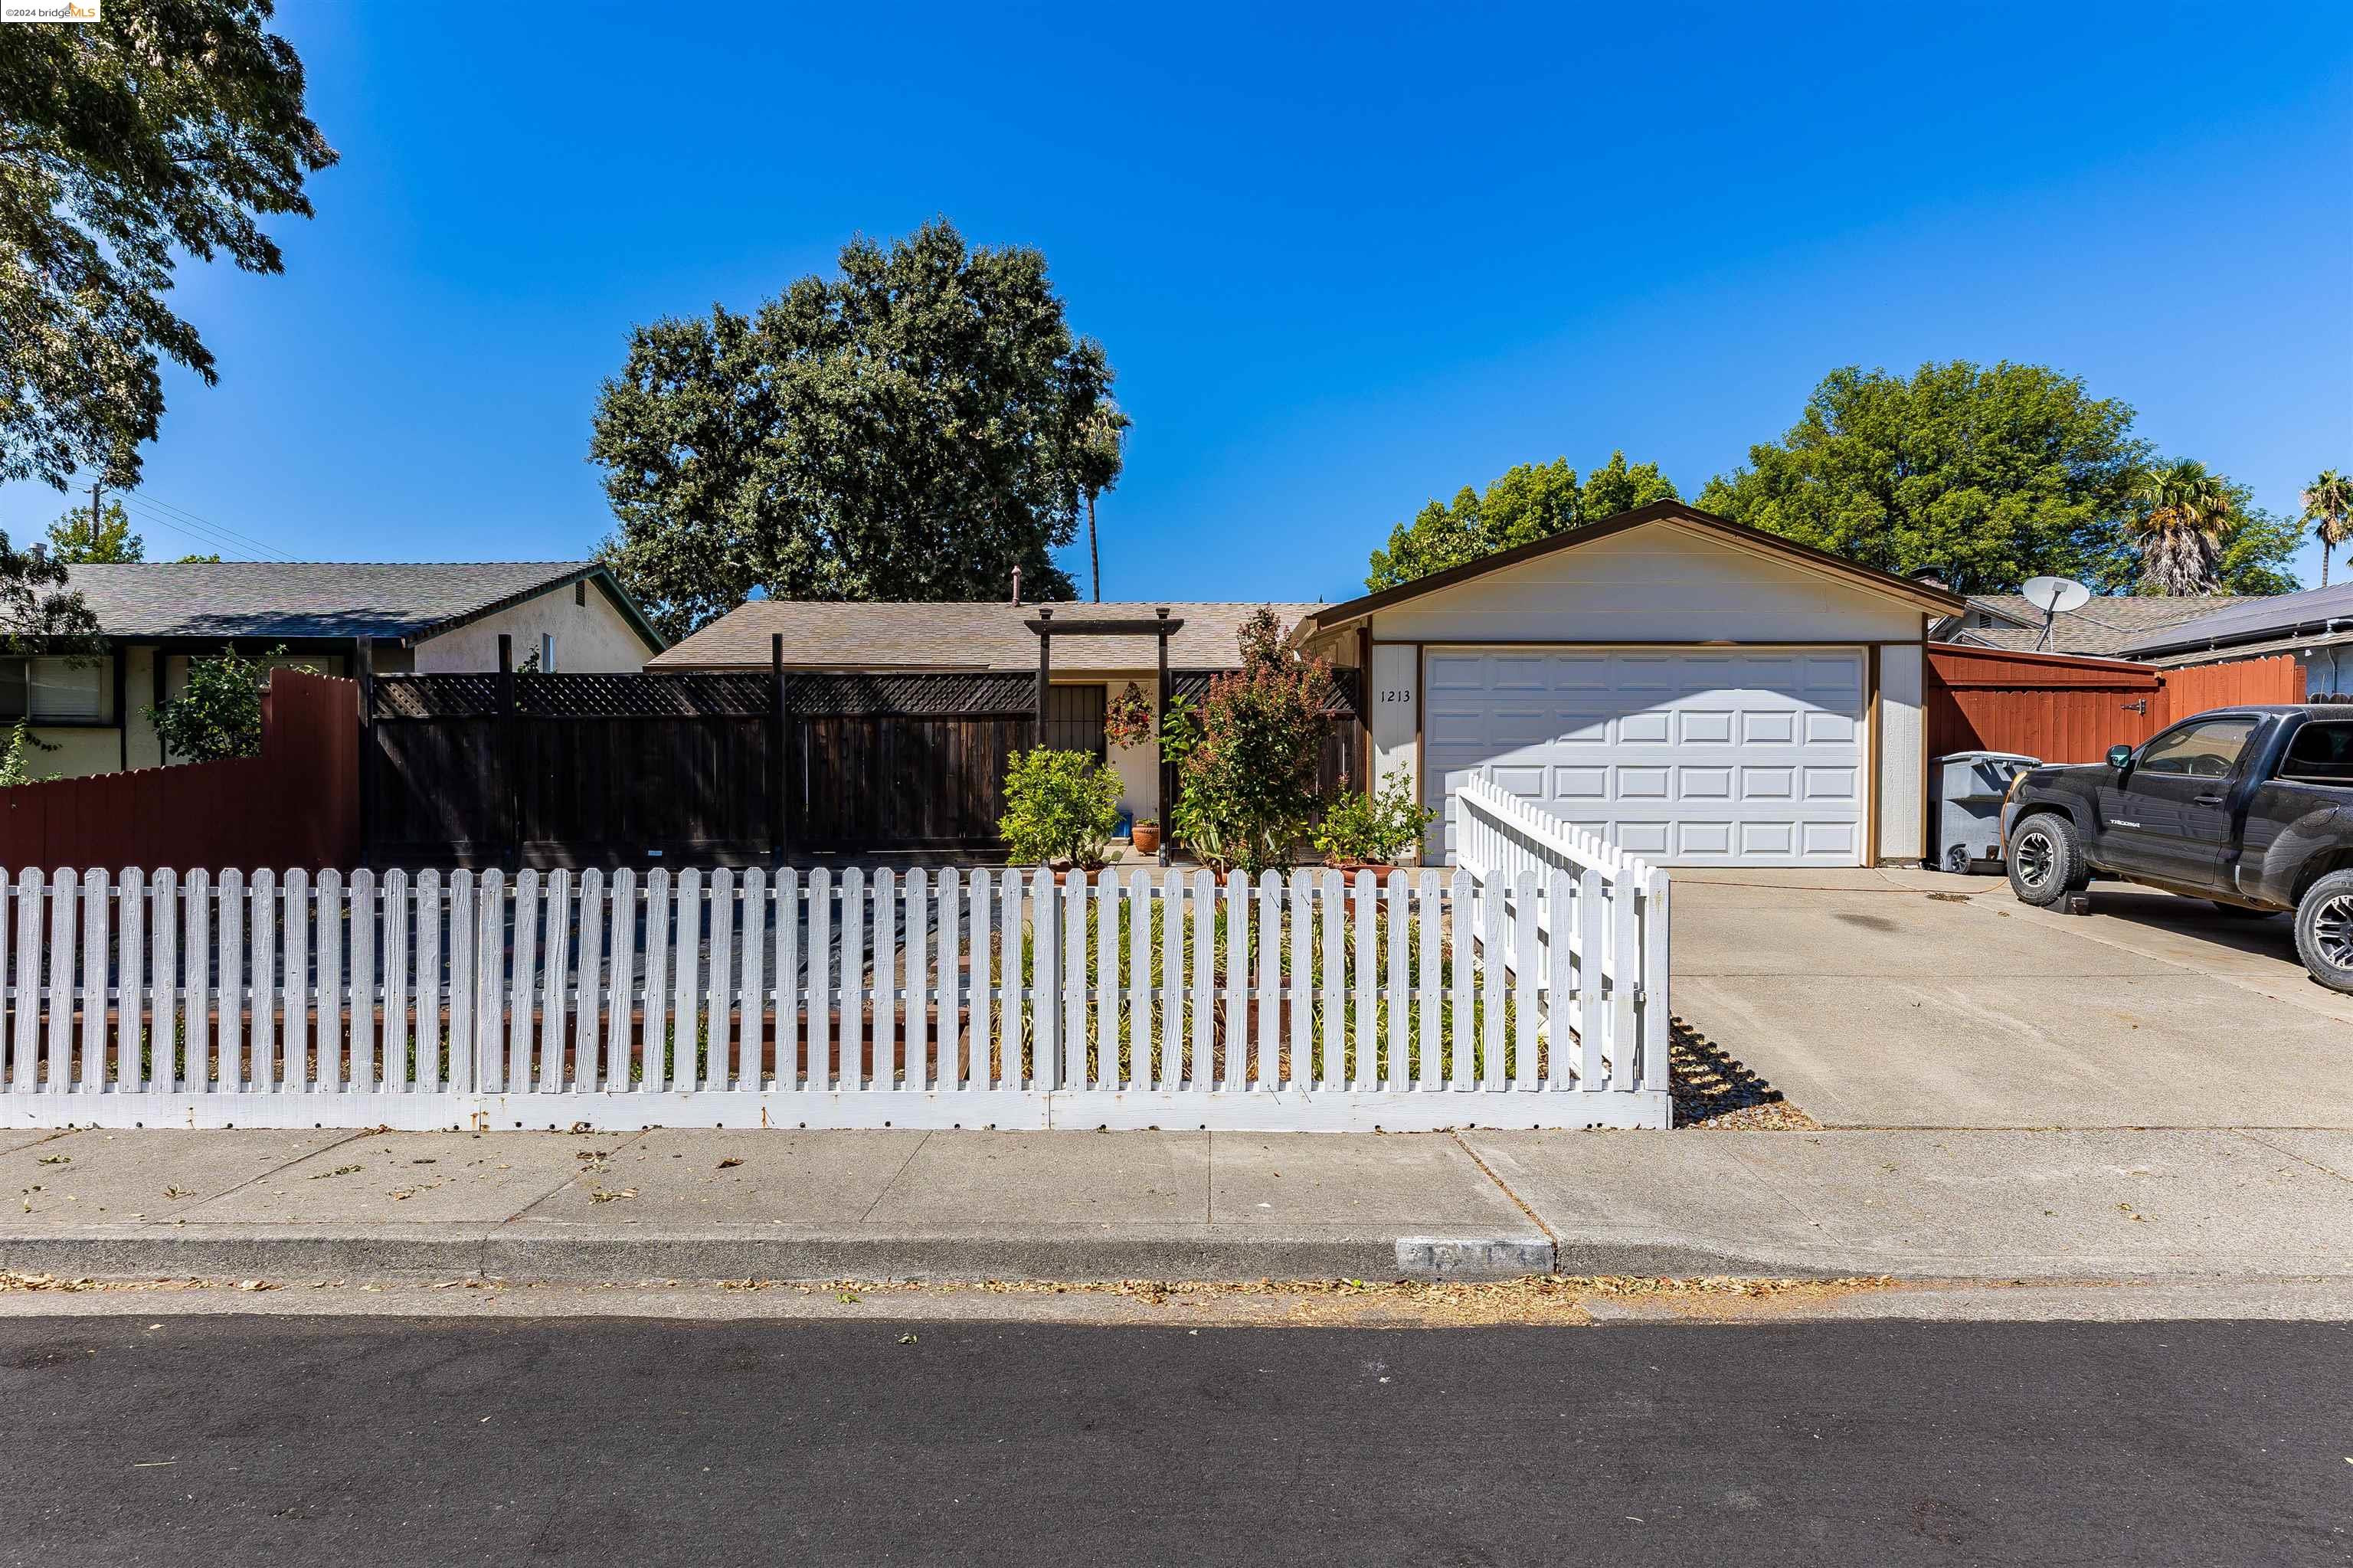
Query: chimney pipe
x=1017 y=587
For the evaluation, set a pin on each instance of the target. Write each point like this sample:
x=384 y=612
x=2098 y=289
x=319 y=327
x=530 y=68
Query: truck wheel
x=2046 y=860
x=2324 y=930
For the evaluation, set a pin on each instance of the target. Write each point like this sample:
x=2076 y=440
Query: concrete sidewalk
x=978 y=1205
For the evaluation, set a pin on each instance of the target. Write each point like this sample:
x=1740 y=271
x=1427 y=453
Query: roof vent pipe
x=1017 y=587
x=1932 y=576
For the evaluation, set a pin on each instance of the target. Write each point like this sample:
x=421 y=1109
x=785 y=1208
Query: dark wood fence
x=714 y=768
x=296 y=804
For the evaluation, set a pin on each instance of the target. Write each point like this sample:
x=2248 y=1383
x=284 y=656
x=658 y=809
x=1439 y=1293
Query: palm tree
x=1102 y=453
x=2329 y=507
x=2180 y=528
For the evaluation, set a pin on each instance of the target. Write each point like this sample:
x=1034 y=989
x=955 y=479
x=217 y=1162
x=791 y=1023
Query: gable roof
x=2109 y=626
x=832 y=635
x=403 y=602
x=1804 y=556
x=2247 y=620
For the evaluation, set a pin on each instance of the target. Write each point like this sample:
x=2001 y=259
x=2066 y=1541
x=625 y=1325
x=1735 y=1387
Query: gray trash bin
x=1967 y=789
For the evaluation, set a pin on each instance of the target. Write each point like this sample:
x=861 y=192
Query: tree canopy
x=1994 y=474
x=167 y=128
x=1527 y=503
x=77 y=538
x=914 y=428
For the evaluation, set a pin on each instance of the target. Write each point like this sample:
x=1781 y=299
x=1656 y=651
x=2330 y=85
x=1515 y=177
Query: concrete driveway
x=1914 y=998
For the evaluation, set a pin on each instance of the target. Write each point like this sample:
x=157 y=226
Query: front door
x=2167 y=816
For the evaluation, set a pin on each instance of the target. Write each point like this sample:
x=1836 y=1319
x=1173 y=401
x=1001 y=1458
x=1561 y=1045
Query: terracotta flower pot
x=1146 y=838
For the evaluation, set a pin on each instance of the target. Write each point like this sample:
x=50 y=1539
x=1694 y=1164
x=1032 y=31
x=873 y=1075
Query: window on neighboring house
x=58 y=688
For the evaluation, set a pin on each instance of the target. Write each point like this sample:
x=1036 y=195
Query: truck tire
x=2324 y=930
x=2046 y=859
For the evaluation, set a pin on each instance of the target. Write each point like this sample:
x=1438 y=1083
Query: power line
x=203 y=529
x=184 y=515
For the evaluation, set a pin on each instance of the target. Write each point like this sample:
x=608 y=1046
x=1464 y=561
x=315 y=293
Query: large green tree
x=916 y=428
x=1529 y=502
x=1992 y=474
x=168 y=128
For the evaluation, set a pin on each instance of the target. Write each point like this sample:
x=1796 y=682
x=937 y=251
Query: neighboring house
x=1693 y=691
x=2106 y=627
x=907 y=638
x=430 y=618
x=2314 y=626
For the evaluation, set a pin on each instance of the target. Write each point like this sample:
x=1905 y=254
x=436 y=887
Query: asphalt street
x=196 y=1440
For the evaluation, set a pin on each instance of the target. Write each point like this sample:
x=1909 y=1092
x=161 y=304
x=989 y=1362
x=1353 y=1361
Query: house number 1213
x=1395 y=694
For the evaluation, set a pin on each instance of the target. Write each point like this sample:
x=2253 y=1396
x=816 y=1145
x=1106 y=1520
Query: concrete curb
x=533 y=1255
x=528 y=1254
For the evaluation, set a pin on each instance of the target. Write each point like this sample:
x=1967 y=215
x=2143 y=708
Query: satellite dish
x=2054 y=597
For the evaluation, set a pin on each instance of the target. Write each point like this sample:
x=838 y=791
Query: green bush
x=218 y=714
x=1251 y=755
x=1378 y=827
x=1060 y=807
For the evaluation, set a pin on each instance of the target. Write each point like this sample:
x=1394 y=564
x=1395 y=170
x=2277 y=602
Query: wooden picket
x=918 y=998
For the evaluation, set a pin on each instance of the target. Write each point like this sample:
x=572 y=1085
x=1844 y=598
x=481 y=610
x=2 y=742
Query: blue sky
x=1343 y=261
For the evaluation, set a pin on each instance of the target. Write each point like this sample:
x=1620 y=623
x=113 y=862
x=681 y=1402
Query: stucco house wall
x=592 y=637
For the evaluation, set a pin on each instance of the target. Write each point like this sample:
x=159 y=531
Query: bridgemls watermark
x=48 y=10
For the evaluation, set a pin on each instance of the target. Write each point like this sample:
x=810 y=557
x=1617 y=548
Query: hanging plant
x=1127 y=719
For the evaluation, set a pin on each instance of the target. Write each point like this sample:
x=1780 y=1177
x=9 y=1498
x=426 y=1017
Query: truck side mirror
x=2120 y=757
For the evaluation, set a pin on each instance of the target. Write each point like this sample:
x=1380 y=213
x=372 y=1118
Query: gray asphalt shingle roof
x=2106 y=627
x=306 y=599
x=991 y=636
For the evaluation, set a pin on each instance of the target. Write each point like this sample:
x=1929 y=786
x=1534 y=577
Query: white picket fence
x=864 y=999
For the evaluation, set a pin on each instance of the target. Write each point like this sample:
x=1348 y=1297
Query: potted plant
x=1146 y=836
x=1369 y=831
x=1060 y=811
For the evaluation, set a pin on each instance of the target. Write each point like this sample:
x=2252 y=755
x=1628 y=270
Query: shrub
x=17 y=758
x=1378 y=827
x=1059 y=806
x=218 y=714
x=1250 y=757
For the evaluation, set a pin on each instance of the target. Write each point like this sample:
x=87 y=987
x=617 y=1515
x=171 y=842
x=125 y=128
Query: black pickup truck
x=2252 y=807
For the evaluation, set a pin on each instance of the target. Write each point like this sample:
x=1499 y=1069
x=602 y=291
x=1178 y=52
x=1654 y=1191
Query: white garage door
x=1682 y=756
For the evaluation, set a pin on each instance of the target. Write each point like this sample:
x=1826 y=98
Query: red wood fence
x=2063 y=708
x=297 y=804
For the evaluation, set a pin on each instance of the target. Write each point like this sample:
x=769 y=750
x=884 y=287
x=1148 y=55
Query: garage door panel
x=1691 y=756
x=1643 y=783
x=1832 y=840
x=1646 y=728
x=1704 y=727
x=1574 y=784
x=1648 y=839
x=1703 y=784
x=1830 y=783
x=1701 y=838
x=1821 y=728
